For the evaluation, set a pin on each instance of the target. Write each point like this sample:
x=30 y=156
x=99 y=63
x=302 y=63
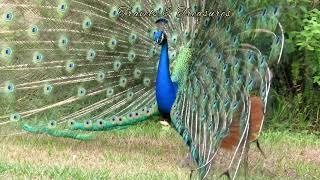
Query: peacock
x=71 y=67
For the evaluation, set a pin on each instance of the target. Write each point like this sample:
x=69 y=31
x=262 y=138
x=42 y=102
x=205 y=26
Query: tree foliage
x=296 y=105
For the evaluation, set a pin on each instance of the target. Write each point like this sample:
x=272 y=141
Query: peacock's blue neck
x=166 y=90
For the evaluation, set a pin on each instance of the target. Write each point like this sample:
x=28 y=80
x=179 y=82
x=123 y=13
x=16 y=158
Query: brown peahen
x=70 y=66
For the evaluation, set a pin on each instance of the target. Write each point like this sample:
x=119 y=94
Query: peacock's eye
x=8 y=16
x=8 y=51
x=10 y=87
x=62 y=8
x=34 y=29
x=278 y=40
x=48 y=88
x=275 y=10
x=264 y=12
x=81 y=91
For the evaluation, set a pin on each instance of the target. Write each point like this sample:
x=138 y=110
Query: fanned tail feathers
x=74 y=64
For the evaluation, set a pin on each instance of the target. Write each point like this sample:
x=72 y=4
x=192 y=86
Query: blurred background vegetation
x=295 y=96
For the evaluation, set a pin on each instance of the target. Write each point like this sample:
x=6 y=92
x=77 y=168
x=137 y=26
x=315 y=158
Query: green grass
x=147 y=151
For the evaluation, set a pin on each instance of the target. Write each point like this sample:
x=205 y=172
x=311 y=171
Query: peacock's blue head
x=159 y=37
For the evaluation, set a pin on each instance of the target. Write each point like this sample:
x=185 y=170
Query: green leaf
x=316 y=79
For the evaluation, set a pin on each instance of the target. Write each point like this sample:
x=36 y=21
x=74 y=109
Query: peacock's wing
x=75 y=63
x=230 y=58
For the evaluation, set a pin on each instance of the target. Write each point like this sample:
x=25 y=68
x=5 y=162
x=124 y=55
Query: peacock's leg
x=186 y=162
x=227 y=174
x=165 y=122
x=165 y=119
x=246 y=161
x=259 y=147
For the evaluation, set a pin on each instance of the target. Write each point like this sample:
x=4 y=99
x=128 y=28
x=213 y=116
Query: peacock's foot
x=186 y=162
x=164 y=122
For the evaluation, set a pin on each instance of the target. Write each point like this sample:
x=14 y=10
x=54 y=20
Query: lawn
x=146 y=151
